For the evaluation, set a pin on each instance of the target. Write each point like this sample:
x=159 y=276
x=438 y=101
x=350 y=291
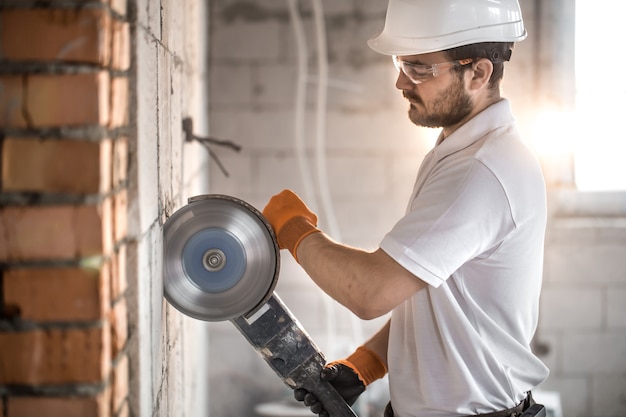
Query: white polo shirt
x=474 y=231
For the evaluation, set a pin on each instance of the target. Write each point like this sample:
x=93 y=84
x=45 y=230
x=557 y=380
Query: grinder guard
x=221 y=258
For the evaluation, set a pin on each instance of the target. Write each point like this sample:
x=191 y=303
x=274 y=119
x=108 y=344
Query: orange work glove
x=365 y=363
x=291 y=219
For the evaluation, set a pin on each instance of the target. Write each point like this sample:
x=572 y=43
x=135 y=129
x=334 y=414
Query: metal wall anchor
x=207 y=142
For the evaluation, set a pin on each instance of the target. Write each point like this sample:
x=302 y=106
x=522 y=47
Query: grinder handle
x=333 y=402
x=286 y=347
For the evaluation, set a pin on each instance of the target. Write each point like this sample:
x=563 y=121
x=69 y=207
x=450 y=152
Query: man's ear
x=481 y=73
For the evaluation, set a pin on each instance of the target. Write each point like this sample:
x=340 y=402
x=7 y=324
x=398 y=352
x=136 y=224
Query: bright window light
x=600 y=148
x=554 y=133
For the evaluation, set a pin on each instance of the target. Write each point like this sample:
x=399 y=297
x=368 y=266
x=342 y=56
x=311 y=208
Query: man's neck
x=448 y=130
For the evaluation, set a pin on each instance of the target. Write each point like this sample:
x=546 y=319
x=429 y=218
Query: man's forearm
x=370 y=284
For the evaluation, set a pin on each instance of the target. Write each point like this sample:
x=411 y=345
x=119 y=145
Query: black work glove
x=342 y=378
x=348 y=376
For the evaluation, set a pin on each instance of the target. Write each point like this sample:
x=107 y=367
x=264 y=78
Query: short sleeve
x=455 y=217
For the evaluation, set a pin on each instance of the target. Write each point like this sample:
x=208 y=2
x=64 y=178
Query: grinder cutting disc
x=221 y=259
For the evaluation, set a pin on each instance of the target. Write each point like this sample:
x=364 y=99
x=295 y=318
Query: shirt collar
x=495 y=116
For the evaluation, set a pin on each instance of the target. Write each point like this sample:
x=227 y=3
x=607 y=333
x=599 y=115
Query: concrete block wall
x=63 y=209
x=582 y=315
x=373 y=153
x=583 y=320
x=169 y=83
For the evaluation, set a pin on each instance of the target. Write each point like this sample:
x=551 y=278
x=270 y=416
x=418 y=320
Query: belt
x=511 y=412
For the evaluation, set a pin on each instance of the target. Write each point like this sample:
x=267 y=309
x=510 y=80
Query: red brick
x=120 y=384
x=68 y=99
x=66 y=35
x=56 y=166
x=57 y=294
x=119 y=6
x=119 y=282
x=55 y=356
x=106 y=165
x=119 y=326
x=120 y=56
x=120 y=208
x=105 y=214
x=12 y=101
x=55 y=232
x=96 y=406
x=119 y=101
x=125 y=411
x=120 y=161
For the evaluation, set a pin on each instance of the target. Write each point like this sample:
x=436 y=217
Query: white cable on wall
x=320 y=154
x=300 y=106
x=320 y=120
x=300 y=146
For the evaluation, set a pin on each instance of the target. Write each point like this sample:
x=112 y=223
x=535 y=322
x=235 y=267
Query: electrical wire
x=300 y=106
x=320 y=119
x=320 y=154
x=320 y=148
x=300 y=146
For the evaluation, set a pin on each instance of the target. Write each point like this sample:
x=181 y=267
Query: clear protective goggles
x=419 y=73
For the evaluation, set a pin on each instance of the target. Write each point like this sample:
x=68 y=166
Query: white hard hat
x=415 y=27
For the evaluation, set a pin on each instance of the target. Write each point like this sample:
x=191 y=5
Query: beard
x=450 y=107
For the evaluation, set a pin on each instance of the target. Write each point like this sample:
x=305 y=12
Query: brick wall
x=63 y=208
x=93 y=161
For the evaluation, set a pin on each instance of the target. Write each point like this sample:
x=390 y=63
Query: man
x=461 y=271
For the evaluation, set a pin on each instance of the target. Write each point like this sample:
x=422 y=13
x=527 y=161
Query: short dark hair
x=497 y=52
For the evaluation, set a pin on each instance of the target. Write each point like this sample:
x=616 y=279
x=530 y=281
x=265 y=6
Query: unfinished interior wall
x=92 y=95
x=168 y=373
x=583 y=320
x=373 y=153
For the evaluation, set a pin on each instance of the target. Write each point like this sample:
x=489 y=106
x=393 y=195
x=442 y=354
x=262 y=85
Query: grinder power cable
x=221 y=262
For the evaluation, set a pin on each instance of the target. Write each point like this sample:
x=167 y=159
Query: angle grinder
x=221 y=262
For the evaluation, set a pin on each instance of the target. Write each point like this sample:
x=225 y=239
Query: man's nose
x=403 y=82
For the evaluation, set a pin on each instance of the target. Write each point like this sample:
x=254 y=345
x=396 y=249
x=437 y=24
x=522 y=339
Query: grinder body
x=286 y=347
x=221 y=262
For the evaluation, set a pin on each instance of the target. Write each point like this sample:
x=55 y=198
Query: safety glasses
x=418 y=73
